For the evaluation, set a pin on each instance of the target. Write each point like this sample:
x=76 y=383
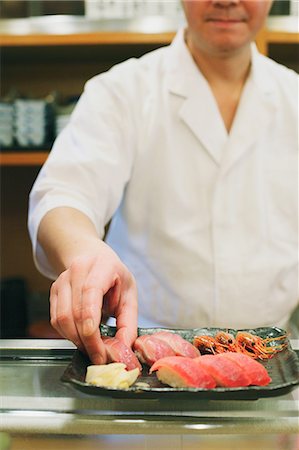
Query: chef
x=191 y=154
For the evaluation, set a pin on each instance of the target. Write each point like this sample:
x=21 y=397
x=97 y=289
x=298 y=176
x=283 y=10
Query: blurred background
x=48 y=50
x=107 y=8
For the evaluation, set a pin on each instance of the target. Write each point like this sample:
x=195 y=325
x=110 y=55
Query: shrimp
x=244 y=342
x=227 y=340
x=257 y=347
x=208 y=345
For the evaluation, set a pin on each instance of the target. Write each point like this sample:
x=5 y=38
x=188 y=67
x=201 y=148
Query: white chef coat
x=206 y=221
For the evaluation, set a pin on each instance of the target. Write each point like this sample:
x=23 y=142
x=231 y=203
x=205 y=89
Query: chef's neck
x=224 y=68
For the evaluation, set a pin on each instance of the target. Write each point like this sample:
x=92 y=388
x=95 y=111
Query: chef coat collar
x=199 y=109
x=180 y=57
x=255 y=111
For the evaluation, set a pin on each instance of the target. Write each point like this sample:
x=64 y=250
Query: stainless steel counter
x=35 y=401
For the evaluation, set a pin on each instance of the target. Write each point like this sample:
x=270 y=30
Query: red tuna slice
x=179 y=371
x=117 y=351
x=226 y=372
x=149 y=349
x=254 y=370
x=179 y=345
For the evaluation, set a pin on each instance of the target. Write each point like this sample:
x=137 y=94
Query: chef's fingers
x=64 y=315
x=90 y=322
x=87 y=305
x=126 y=313
x=53 y=308
x=121 y=302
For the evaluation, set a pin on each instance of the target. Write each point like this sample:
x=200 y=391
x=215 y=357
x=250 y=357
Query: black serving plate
x=283 y=369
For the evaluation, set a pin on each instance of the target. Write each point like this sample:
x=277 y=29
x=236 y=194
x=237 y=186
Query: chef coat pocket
x=281 y=178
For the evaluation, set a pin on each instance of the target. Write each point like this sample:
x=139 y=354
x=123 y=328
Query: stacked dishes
x=32 y=122
x=6 y=124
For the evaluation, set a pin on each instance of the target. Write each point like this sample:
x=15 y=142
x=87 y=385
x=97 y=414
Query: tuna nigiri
x=226 y=372
x=179 y=371
x=118 y=352
x=256 y=372
x=149 y=349
x=179 y=345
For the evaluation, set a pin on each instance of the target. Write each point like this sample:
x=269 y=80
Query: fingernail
x=88 y=327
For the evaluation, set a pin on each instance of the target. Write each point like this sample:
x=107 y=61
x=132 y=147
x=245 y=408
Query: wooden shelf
x=107 y=37
x=23 y=158
x=122 y=37
x=282 y=37
x=119 y=38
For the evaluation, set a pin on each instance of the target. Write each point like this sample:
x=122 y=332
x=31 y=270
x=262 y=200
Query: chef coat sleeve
x=90 y=162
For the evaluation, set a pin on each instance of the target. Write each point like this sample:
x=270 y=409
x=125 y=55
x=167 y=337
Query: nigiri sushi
x=118 y=352
x=179 y=345
x=256 y=372
x=149 y=349
x=180 y=371
x=226 y=372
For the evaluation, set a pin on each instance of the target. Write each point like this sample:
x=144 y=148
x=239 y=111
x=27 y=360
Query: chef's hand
x=92 y=286
x=93 y=282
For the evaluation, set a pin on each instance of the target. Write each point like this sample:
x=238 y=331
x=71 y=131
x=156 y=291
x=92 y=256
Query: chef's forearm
x=65 y=234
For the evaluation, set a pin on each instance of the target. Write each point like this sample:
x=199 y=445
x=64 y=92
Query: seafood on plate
x=208 y=345
x=182 y=372
x=226 y=340
x=258 y=347
x=149 y=349
x=229 y=370
x=256 y=372
x=118 y=352
x=244 y=342
x=225 y=372
x=179 y=345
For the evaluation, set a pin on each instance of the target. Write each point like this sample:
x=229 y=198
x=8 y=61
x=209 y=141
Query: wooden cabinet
x=38 y=64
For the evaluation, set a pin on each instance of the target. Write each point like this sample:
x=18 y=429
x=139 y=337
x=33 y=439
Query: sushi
x=225 y=372
x=179 y=345
x=150 y=349
x=118 y=352
x=229 y=370
x=179 y=371
x=256 y=372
